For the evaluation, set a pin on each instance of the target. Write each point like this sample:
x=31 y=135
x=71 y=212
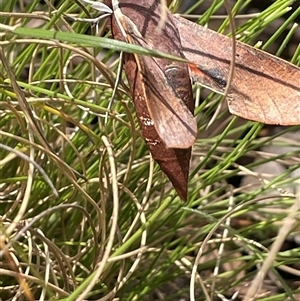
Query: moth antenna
x=119 y=16
x=101 y=7
x=122 y=19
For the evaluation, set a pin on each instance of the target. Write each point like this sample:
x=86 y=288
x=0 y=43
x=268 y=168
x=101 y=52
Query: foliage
x=86 y=213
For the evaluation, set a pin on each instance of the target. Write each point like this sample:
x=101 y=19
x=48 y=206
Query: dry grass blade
x=117 y=229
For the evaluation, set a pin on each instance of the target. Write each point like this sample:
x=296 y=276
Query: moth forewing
x=158 y=85
x=173 y=121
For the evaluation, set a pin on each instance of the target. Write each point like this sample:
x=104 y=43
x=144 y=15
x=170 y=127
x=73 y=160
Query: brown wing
x=146 y=15
x=172 y=119
x=164 y=82
x=264 y=87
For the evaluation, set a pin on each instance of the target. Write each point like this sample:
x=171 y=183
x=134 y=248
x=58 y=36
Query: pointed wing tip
x=182 y=193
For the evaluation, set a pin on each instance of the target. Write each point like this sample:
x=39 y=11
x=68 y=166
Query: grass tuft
x=85 y=213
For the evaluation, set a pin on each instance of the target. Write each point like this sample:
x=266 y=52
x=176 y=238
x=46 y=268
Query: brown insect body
x=164 y=83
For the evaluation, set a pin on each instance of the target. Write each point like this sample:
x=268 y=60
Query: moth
x=161 y=89
x=264 y=88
